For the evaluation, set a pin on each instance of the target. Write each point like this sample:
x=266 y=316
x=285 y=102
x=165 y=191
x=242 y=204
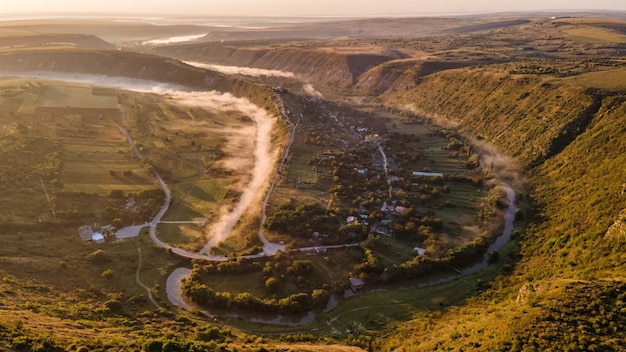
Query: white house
x=419 y=251
x=97 y=237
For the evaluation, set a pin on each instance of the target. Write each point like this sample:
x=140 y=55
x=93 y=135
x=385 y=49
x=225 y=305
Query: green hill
x=560 y=113
x=566 y=289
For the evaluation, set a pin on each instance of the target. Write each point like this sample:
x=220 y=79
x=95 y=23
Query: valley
x=468 y=174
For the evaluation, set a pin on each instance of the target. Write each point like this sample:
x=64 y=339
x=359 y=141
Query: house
x=356 y=283
x=419 y=251
x=97 y=237
x=85 y=233
x=382 y=231
x=399 y=209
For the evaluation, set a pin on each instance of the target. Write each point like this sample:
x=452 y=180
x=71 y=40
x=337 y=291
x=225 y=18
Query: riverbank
x=173 y=287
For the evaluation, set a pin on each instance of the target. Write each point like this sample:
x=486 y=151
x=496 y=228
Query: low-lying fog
x=170 y=40
x=249 y=149
x=238 y=70
x=255 y=72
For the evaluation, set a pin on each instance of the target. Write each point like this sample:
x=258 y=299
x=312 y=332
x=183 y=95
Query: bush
x=98 y=257
x=493 y=257
x=272 y=284
x=107 y=274
x=114 y=305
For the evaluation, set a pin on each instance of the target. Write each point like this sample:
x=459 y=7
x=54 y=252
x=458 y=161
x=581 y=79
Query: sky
x=298 y=8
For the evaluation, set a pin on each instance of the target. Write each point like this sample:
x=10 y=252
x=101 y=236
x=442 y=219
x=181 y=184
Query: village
x=380 y=182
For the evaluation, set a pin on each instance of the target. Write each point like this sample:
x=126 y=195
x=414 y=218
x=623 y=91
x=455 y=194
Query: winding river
x=174 y=291
x=173 y=284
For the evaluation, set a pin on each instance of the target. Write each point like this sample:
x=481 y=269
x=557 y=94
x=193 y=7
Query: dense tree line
x=302 y=220
x=280 y=270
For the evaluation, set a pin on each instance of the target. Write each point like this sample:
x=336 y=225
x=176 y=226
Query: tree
x=107 y=274
x=272 y=284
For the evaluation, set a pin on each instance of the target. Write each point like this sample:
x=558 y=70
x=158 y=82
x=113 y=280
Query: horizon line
x=156 y=16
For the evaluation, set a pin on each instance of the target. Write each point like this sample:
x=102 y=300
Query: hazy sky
x=298 y=8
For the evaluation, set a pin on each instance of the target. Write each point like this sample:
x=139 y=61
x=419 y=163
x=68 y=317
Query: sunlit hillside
x=405 y=184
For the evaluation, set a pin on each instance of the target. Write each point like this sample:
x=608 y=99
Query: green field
x=588 y=34
x=197 y=198
x=611 y=80
x=73 y=96
x=187 y=236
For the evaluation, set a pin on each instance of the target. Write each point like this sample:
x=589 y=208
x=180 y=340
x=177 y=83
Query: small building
x=85 y=233
x=419 y=251
x=97 y=237
x=399 y=209
x=382 y=231
x=356 y=283
x=351 y=220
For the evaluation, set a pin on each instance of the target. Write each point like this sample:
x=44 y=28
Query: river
x=174 y=294
x=262 y=171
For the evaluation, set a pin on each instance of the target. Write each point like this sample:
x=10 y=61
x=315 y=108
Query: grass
x=197 y=198
x=74 y=96
x=235 y=284
x=564 y=258
x=612 y=80
x=595 y=35
x=188 y=236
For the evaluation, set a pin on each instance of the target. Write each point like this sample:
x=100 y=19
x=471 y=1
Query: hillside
x=400 y=74
x=10 y=42
x=550 y=95
x=133 y=66
x=569 y=138
x=337 y=66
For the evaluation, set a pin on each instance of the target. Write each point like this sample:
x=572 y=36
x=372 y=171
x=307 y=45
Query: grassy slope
x=567 y=288
x=314 y=64
x=522 y=114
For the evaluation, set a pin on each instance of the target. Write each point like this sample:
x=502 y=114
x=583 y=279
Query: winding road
x=269 y=248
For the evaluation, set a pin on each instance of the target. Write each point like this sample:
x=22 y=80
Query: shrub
x=114 y=305
x=107 y=274
x=98 y=257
